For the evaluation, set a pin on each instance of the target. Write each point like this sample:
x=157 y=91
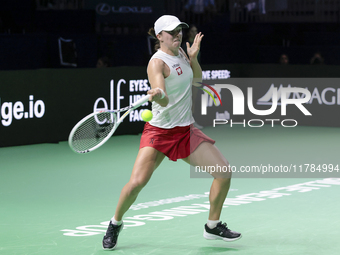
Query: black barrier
x=42 y=106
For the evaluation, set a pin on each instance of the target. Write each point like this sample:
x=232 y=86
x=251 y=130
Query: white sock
x=116 y=222
x=212 y=223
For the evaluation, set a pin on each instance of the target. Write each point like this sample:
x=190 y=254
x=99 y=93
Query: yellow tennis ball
x=147 y=115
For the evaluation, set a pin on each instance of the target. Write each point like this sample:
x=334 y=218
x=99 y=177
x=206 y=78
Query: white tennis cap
x=168 y=23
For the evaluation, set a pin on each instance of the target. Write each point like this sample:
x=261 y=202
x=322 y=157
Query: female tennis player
x=171 y=132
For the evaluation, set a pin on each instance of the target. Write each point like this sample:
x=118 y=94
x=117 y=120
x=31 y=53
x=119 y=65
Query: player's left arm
x=195 y=66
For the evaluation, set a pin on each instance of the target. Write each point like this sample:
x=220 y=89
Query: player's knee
x=223 y=172
x=225 y=182
x=223 y=176
x=135 y=186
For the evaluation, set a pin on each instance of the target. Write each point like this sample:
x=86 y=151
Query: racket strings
x=93 y=131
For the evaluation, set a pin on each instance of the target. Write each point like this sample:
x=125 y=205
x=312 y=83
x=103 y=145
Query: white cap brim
x=168 y=23
x=174 y=25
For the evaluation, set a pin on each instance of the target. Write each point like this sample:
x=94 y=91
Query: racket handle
x=141 y=101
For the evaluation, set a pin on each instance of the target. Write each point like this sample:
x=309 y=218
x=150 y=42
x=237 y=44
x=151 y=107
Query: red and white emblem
x=179 y=70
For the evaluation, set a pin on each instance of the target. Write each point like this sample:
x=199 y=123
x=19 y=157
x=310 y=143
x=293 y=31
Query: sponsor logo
x=135 y=86
x=179 y=70
x=105 y=9
x=327 y=96
x=17 y=111
x=215 y=74
x=213 y=90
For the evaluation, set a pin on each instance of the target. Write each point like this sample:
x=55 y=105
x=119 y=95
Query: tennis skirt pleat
x=175 y=143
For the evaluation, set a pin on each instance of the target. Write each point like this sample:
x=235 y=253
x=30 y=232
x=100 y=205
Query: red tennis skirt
x=175 y=143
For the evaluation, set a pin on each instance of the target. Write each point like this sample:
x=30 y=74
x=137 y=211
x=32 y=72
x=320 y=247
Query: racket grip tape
x=141 y=101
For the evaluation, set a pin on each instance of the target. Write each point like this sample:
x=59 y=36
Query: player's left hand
x=195 y=47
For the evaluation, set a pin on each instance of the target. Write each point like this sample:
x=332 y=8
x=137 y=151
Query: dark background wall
x=242 y=36
x=54 y=100
x=29 y=32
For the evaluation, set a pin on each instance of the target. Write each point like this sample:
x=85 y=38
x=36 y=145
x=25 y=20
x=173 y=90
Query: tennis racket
x=96 y=128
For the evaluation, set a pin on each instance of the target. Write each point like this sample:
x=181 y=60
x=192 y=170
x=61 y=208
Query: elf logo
x=10 y=110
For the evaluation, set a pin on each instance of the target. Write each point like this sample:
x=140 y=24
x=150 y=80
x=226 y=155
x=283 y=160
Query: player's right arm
x=156 y=73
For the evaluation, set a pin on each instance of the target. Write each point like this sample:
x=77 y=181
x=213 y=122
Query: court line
x=182 y=211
